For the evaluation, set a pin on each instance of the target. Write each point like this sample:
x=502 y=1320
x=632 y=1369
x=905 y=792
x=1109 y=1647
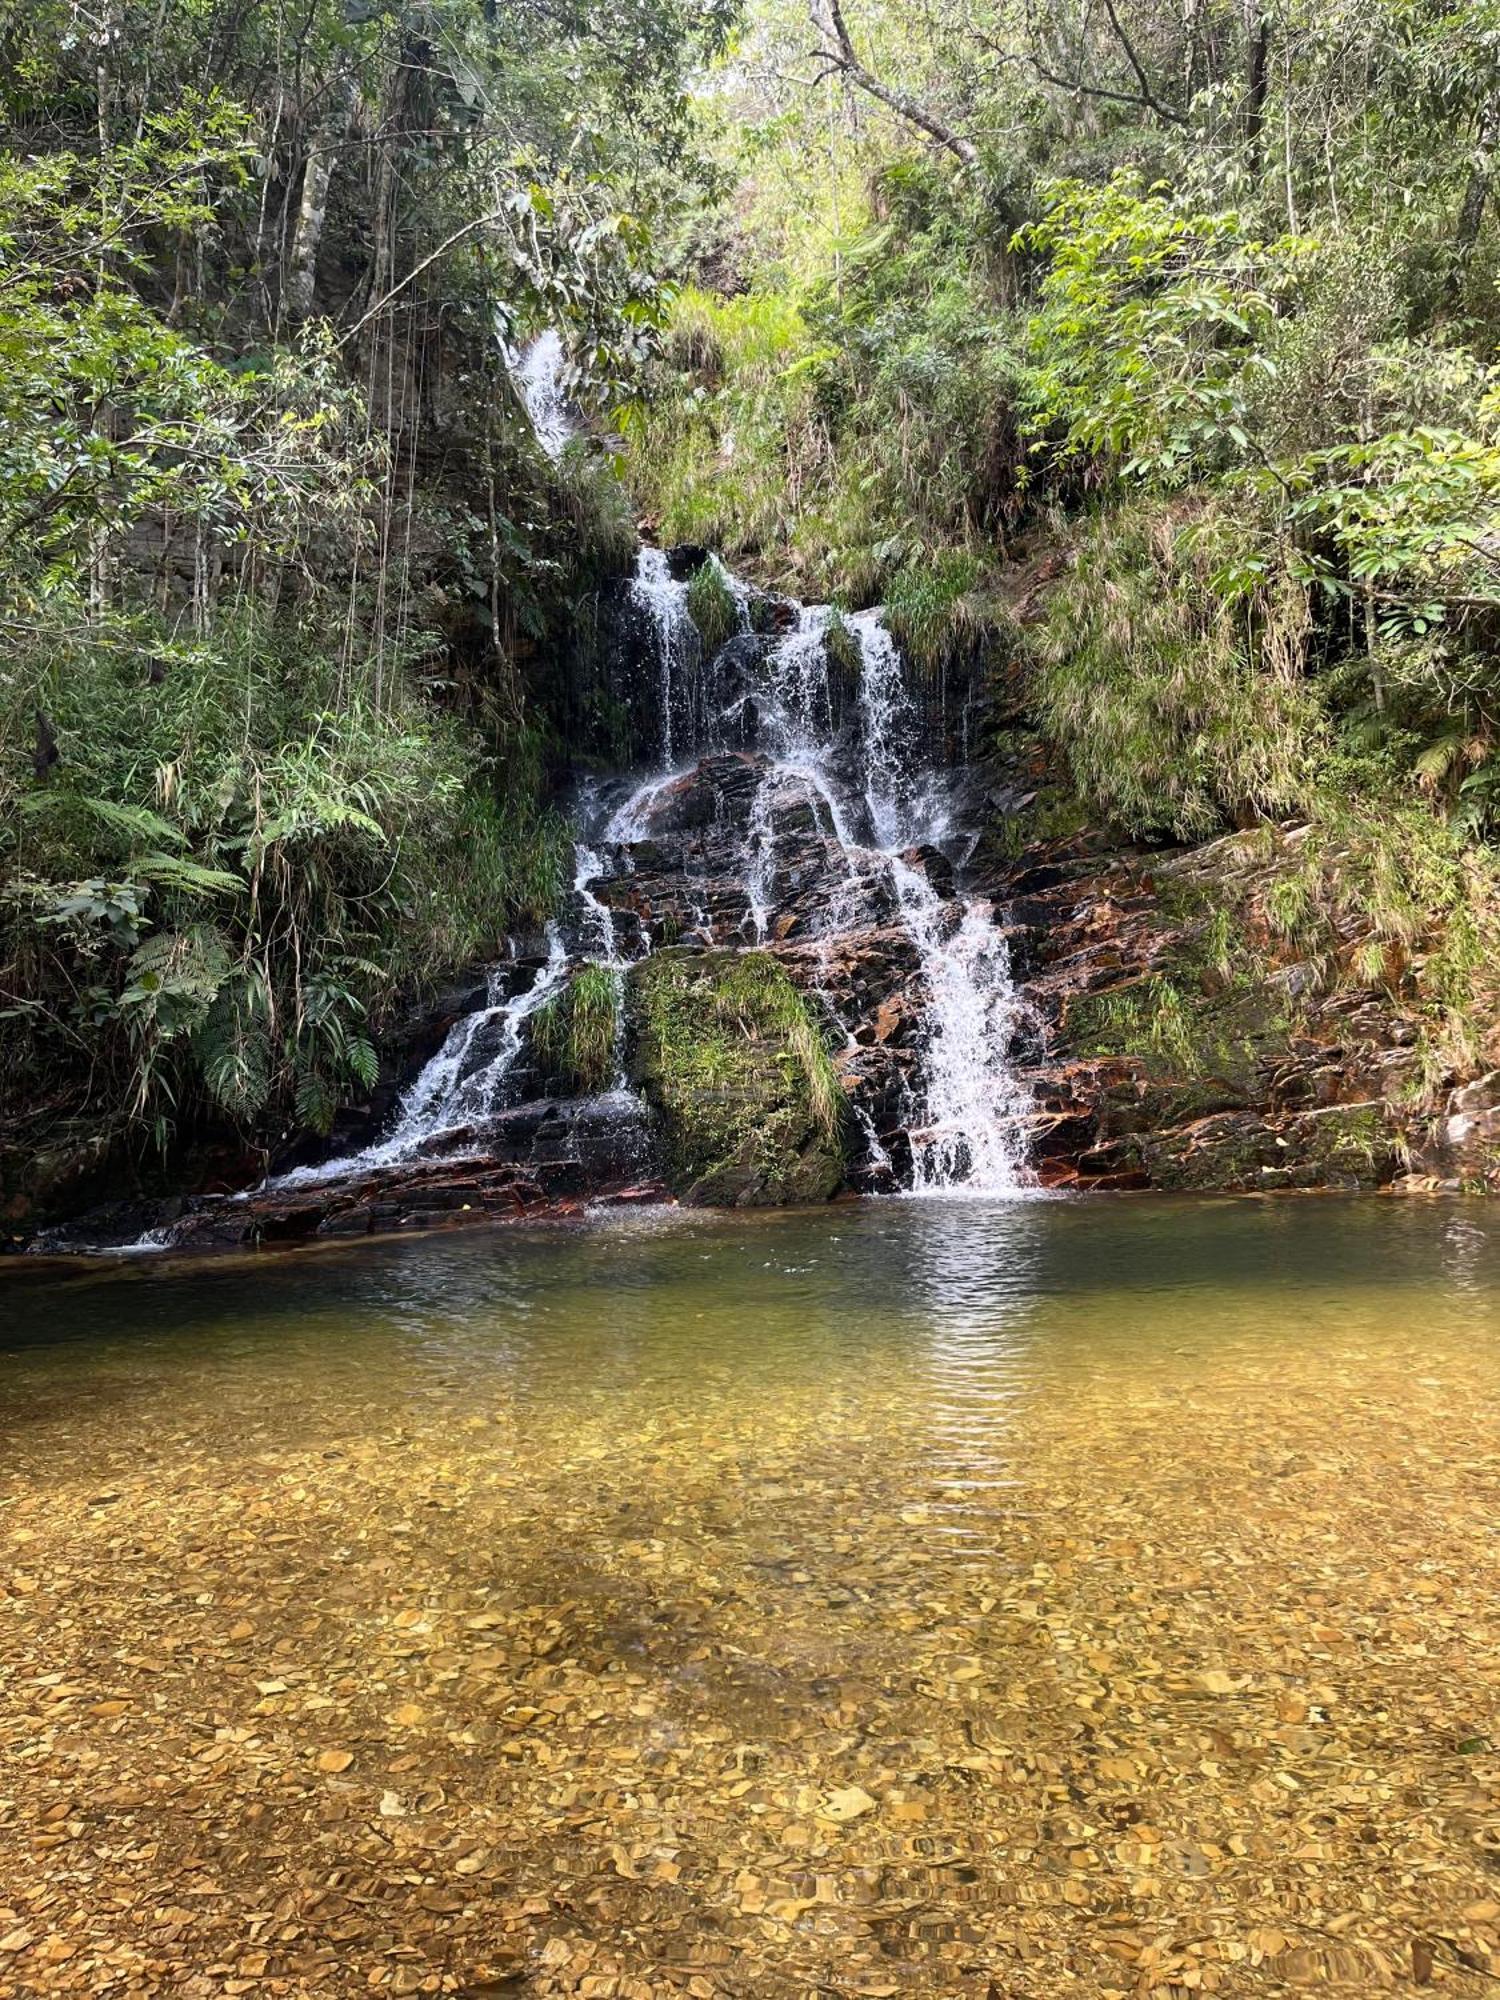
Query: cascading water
x=836 y=793
x=465 y=1081
x=539 y=371
x=663 y=600
x=965 y=1131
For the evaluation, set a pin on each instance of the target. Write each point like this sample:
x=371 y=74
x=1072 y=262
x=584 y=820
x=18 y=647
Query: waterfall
x=598 y=944
x=538 y=371
x=464 y=1082
x=678 y=648
x=966 y=1110
x=966 y=1121
x=967 y=1114
x=888 y=734
x=830 y=789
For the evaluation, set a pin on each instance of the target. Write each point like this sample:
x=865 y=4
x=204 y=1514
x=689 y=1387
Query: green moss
x=1206 y=1011
x=1054 y=814
x=726 y=1049
x=1349 y=1142
x=1153 y=1020
x=574 y=1035
x=711 y=606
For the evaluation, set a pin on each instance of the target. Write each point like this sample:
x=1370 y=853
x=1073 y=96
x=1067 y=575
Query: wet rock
x=1248 y=1088
x=685 y=559
x=935 y=865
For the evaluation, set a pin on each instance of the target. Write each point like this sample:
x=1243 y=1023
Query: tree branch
x=845 y=60
x=1148 y=95
x=474 y=222
x=1076 y=83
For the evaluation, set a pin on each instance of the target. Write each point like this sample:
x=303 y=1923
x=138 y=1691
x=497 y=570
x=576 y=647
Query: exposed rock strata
x=1275 y=1085
x=1265 y=1085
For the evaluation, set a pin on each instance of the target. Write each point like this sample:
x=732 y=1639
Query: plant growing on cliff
x=576 y=1033
x=1178 y=711
x=936 y=604
x=711 y=605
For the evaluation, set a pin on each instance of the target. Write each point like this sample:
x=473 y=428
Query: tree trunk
x=1257 y=81
x=1476 y=196
x=300 y=291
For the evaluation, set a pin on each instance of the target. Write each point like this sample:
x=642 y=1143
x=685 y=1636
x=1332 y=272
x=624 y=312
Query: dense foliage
x=1145 y=357
x=1204 y=298
x=290 y=600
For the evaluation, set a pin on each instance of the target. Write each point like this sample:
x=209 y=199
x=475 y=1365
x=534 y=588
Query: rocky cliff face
x=1155 y=1065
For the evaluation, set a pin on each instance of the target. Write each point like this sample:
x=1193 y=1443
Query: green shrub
x=235 y=863
x=1178 y=712
x=936 y=606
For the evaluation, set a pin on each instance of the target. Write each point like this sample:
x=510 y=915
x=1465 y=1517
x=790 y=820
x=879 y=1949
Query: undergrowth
x=576 y=1033
x=234 y=861
x=711 y=606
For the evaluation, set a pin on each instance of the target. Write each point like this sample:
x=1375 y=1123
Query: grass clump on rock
x=574 y=1034
x=711 y=606
x=728 y=1052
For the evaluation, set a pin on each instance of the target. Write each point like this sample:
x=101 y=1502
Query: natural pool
x=1018 y=1599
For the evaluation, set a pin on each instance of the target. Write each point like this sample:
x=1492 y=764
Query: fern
x=315 y=1101
x=172 y=871
x=362 y=1062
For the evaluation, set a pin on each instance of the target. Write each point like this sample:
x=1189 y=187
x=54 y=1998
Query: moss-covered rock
x=726 y=1050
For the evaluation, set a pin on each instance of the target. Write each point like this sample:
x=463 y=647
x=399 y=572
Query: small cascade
x=679 y=650
x=968 y=1109
x=760 y=861
x=465 y=1081
x=597 y=941
x=888 y=734
x=799 y=706
x=539 y=371
x=599 y=944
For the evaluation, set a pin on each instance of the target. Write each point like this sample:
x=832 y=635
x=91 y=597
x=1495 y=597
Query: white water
x=854 y=763
x=454 y=1091
x=679 y=651
x=966 y=1124
x=965 y=1118
x=538 y=372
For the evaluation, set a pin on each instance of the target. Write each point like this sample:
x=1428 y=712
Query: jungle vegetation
x=1148 y=353
x=290 y=602
x=1144 y=351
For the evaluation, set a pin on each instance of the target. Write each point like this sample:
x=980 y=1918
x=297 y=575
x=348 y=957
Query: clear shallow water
x=929 y=1597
